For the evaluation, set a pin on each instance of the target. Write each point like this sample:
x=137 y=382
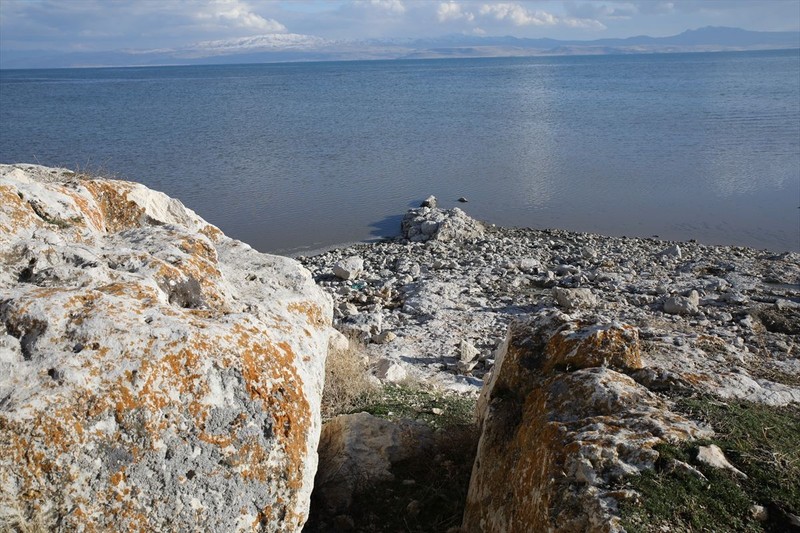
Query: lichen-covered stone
x=559 y=423
x=156 y=375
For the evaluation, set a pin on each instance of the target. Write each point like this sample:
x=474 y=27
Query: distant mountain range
x=285 y=47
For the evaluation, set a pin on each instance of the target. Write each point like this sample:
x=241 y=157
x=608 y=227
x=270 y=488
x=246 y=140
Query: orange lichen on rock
x=148 y=383
x=585 y=346
x=557 y=422
x=119 y=213
x=17 y=213
x=88 y=209
x=313 y=312
x=212 y=232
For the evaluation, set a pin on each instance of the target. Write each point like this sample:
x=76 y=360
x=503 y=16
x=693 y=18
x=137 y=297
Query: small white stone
x=349 y=268
x=388 y=370
x=672 y=251
x=712 y=455
x=759 y=513
x=574 y=298
x=467 y=352
x=338 y=342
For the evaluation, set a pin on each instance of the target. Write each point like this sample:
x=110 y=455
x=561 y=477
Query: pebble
x=349 y=268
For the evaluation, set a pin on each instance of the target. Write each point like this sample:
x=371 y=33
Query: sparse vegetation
x=347 y=386
x=412 y=401
x=429 y=489
x=762 y=441
x=14 y=520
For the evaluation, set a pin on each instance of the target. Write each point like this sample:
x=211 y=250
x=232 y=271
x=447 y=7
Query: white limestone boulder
x=155 y=373
x=349 y=268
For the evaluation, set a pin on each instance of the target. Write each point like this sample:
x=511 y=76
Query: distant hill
x=284 y=47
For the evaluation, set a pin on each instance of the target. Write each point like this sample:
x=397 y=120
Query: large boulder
x=560 y=422
x=155 y=374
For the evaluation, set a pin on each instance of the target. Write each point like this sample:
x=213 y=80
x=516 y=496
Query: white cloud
x=518 y=15
x=452 y=11
x=521 y=16
x=238 y=14
x=392 y=6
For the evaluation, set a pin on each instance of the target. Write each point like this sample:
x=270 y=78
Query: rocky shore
x=583 y=349
x=157 y=374
x=435 y=303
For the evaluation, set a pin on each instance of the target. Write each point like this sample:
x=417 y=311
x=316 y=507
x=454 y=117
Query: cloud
x=391 y=6
x=64 y=25
x=519 y=15
x=452 y=11
x=238 y=15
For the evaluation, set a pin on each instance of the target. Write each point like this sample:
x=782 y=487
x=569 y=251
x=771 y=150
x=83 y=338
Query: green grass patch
x=761 y=441
x=435 y=408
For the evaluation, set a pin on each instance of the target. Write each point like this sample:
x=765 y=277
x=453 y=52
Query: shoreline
x=432 y=296
x=576 y=352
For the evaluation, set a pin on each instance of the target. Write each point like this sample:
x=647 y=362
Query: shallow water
x=298 y=156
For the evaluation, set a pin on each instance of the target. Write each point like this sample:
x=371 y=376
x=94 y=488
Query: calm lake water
x=289 y=157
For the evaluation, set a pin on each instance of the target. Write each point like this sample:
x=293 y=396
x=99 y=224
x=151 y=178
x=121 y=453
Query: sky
x=100 y=25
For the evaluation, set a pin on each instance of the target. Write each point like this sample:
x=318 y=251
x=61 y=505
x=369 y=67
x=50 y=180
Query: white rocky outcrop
x=155 y=373
x=432 y=223
x=616 y=354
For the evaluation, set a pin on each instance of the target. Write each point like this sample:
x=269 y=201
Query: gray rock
x=682 y=305
x=684 y=468
x=430 y=201
x=391 y=371
x=349 y=268
x=574 y=298
x=429 y=227
x=384 y=337
x=672 y=251
x=467 y=352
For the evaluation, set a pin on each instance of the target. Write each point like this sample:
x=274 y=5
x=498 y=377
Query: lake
x=300 y=156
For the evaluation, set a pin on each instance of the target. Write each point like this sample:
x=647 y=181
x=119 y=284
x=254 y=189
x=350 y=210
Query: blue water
x=299 y=156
